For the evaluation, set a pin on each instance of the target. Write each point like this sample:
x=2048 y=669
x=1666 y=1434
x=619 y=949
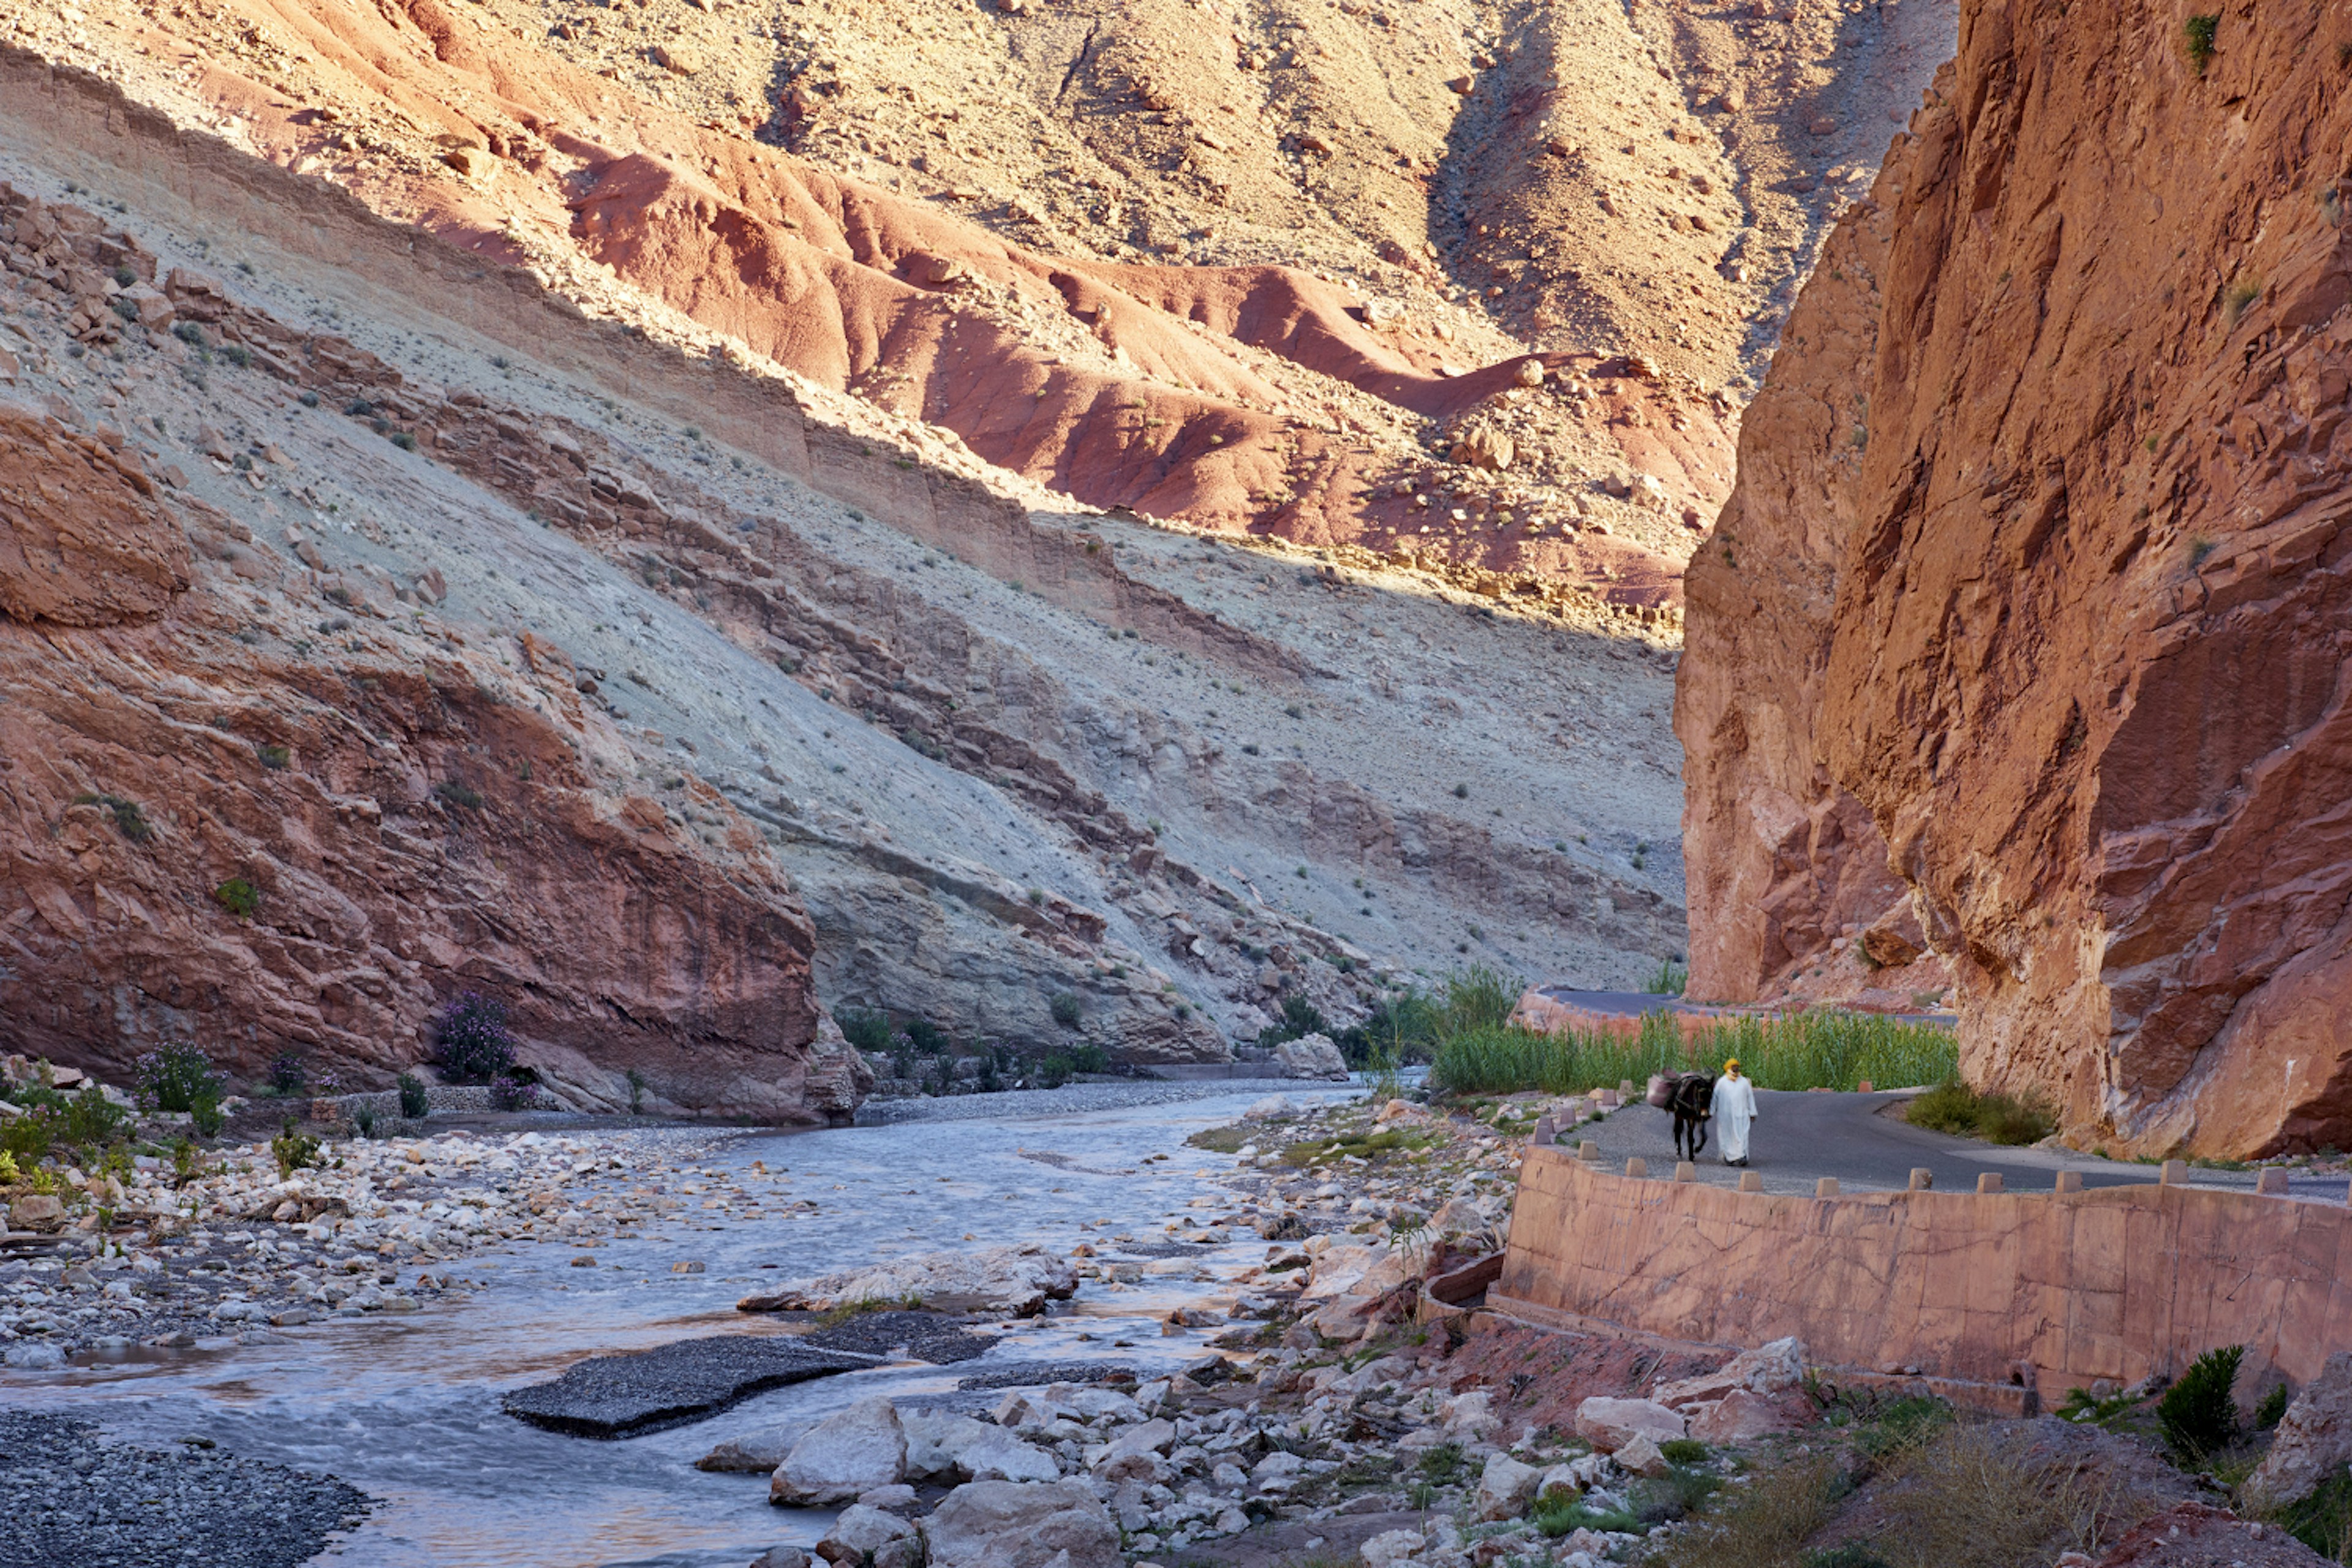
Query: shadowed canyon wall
x=2030 y=608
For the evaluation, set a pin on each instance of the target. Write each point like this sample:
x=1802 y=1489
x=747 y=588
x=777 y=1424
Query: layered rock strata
x=2031 y=602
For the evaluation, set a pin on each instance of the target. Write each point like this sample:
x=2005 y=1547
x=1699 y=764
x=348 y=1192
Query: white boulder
x=1610 y=1424
x=1505 y=1488
x=1134 y=1454
x=1008 y=1524
x=996 y=1455
x=1391 y=1547
x=754 y=1453
x=1768 y=1369
x=865 y=1536
x=1310 y=1055
x=936 y=1440
x=1640 y=1456
x=2313 y=1439
x=853 y=1451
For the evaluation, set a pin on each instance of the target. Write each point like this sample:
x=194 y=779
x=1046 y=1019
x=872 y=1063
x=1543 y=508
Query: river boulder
x=851 y=1452
x=1008 y=1524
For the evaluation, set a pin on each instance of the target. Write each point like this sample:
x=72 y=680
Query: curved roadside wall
x=1995 y=1299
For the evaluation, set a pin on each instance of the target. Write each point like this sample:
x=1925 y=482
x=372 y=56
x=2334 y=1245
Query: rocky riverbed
x=236 y=1245
x=961 y=1344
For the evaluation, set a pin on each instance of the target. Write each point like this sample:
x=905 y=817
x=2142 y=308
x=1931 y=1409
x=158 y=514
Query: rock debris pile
x=156 y=1256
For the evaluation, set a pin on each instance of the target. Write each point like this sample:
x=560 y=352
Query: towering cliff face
x=2038 y=555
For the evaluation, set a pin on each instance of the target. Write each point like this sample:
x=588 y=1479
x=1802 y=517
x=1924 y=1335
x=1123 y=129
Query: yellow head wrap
x=1732 y=1066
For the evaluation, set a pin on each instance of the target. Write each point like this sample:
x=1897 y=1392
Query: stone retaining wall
x=1996 y=1296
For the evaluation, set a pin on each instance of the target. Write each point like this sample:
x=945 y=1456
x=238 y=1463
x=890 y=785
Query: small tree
x=471 y=1043
x=414 y=1102
x=286 y=1074
x=2198 y=1414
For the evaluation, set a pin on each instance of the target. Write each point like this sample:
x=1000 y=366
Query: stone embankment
x=1999 y=1300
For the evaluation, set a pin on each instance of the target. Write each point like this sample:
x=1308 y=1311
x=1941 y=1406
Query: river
x=406 y=1408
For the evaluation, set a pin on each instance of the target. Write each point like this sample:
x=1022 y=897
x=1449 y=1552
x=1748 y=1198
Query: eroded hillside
x=979 y=756
x=1465 y=283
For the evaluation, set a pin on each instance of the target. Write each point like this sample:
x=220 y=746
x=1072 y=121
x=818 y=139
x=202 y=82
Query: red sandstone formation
x=397 y=831
x=1224 y=397
x=2033 y=591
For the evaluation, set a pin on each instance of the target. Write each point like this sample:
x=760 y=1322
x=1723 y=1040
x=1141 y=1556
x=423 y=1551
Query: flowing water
x=408 y=1408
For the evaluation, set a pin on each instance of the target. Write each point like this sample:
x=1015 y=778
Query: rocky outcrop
x=2038 y=557
x=83 y=539
x=2314 y=1440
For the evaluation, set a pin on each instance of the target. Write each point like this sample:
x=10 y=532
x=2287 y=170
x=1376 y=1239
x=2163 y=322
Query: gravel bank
x=74 y=1501
x=1075 y=1100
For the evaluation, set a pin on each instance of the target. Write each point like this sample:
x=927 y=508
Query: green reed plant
x=1817 y=1050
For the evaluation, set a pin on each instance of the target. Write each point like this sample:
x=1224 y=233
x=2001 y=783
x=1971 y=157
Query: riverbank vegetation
x=1817 y=1050
x=1953 y=1106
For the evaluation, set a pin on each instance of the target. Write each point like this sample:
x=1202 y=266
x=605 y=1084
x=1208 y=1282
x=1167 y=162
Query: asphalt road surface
x=1799 y=1137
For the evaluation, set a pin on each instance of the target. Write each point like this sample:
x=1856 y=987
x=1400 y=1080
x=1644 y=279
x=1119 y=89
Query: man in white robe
x=1734 y=1106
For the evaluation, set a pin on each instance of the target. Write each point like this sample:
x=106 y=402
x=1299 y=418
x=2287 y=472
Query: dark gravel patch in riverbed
x=74 y=1502
x=934 y=1337
x=671 y=1386
x=1038 y=1373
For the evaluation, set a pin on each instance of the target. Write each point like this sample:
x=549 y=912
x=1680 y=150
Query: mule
x=1689 y=1098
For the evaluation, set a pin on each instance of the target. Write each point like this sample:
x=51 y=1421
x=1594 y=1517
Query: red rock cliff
x=2038 y=557
x=394 y=834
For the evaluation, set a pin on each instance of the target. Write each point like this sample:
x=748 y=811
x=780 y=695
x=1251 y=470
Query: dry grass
x=1951 y=1495
x=1764 y=1523
x=1976 y=1496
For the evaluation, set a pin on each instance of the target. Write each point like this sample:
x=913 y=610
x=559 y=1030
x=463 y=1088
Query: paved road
x=1799 y=1137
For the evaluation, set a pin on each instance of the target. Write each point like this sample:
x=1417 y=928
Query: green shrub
x=413 y=1103
x=471 y=1043
x=1088 y=1058
x=90 y=1121
x=274 y=757
x=636 y=1091
x=2323 y=1520
x=177 y=1078
x=1299 y=1019
x=363 y=1118
x=239 y=897
x=2198 y=1414
x=286 y=1075
x=2272 y=1410
x=129 y=819
x=1683 y=1451
x=1953 y=1106
x=293 y=1150
x=2197 y=35
x=1055 y=1070
x=868 y=1028
x=926 y=1036
x=1065 y=1008
x=1852 y=1554
x=457 y=792
x=1670 y=979
x=1806 y=1050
